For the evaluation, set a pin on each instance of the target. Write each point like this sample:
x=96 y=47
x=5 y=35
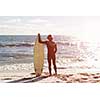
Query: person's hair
x=49 y=37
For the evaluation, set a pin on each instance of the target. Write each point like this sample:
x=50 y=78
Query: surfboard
x=38 y=57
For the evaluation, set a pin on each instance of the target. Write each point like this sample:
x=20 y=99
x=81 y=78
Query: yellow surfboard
x=38 y=57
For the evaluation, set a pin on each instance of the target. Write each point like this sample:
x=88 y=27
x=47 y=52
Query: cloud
x=38 y=21
x=12 y=21
x=50 y=25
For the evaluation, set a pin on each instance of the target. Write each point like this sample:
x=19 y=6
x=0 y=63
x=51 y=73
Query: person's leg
x=49 y=65
x=54 y=64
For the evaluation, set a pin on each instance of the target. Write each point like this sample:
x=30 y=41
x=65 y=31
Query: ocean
x=72 y=52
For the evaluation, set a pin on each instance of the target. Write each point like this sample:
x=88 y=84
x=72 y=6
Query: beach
x=65 y=75
x=76 y=59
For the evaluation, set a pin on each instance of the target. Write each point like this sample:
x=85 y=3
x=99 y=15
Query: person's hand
x=38 y=33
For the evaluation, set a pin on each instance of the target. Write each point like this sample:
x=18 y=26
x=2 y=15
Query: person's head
x=49 y=37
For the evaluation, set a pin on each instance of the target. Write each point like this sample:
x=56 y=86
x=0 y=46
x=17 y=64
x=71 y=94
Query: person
x=52 y=49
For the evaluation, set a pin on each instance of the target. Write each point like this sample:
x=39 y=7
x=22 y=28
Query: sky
x=80 y=26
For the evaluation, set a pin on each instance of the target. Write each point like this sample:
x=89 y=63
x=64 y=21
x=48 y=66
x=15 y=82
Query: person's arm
x=39 y=39
x=55 y=48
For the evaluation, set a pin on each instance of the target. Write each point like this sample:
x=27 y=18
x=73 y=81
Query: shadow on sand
x=29 y=79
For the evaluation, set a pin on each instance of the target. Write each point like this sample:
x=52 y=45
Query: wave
x=30 y=44
x=67 y=43
x=17 y=45
x=12 y=56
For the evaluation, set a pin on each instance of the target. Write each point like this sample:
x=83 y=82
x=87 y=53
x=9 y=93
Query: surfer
x=52 y=49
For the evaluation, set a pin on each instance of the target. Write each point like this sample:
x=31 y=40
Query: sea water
x=72 y=52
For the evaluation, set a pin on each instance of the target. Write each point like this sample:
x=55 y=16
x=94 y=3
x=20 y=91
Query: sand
x=24 y=73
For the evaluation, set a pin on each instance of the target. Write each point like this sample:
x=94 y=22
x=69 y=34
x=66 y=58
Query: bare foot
x=38 y=75
x=55 y=74
x=50 y=74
